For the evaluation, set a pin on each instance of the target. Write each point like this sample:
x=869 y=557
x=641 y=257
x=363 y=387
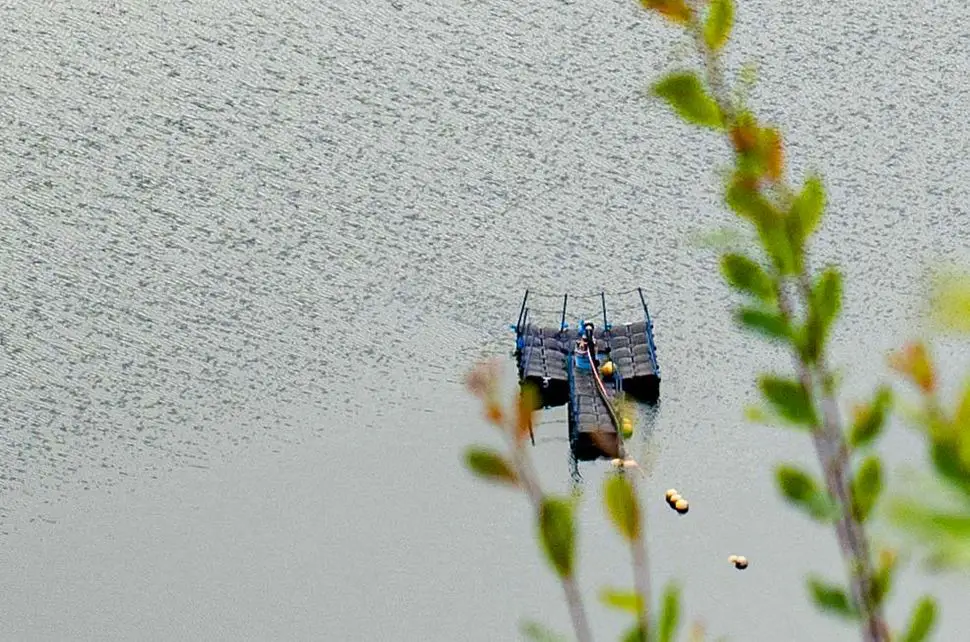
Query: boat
x=592 y=366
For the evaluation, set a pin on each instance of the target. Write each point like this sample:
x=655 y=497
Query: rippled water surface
x=249 y=249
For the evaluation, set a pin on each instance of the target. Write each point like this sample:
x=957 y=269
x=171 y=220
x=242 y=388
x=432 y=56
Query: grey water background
x=250 y=248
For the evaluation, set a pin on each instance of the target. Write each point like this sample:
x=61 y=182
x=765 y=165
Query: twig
x=828 y=437
x=529 y=479
x=641 y=571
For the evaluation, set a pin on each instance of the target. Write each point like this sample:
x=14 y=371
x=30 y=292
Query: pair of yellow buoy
x=677 y=502
x=739 y=561
x=624 y=463
x=626 y=423
x=626 y=427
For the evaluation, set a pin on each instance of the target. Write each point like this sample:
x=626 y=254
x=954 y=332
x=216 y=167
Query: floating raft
x=548 y=359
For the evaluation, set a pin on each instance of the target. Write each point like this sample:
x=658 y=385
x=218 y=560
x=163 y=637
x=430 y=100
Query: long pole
x=518 y=324
x=644 y=302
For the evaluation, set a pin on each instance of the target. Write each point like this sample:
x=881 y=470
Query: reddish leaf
x=675 y=10
x=913 y=361
x=774 y=153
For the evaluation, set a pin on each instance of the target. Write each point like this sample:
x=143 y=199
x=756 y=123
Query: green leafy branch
x=940 y=520
x=555 y=519
x=555 y=516
x=787 y=302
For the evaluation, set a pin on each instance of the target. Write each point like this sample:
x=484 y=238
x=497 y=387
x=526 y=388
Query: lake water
x=250 y=249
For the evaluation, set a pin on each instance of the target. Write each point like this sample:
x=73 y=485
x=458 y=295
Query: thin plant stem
x=575 y=601
x=641 y=571
x=830 y=447
x=828 y=437
x=530 y=483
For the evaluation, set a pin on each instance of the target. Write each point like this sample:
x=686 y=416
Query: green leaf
x=800 y=489
x=622 y=506
x=781 y=251
x=540 y=633
x=882 y=578
x=747 y=276
x=720 y=19
x=490 y=465
x=770 y=324
x=922 y=620
x=629 y=601
x=827 y=295
x=961 y=419
x=950 y=301
x=869 y=421
x=945 y=534
x=928 y=520
x=635 y=634
x=686 y=94
x=669 y=613
x=789 y=399
x=759 y=413
x=830 y=598
x=750 y=205
x=795 y=484
x=805 y=340
x=756 y=414
x=806 y=210
x=948 y=464
x=557 y=532
x=866 y=486
x=793 y=235
x=752 y=165
x=961 y=428
x=825 y=305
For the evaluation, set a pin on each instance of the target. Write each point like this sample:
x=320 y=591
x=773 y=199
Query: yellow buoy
x=626 y=427
x=733 y=559
x=616 y=462
x=682 y=506
x=606 y=369
x=670 y=493
x=673 y=499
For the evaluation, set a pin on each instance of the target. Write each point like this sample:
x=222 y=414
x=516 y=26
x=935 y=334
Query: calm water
x=249 y=249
